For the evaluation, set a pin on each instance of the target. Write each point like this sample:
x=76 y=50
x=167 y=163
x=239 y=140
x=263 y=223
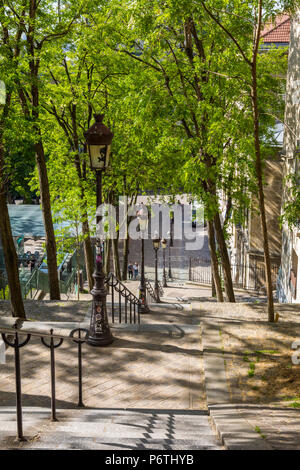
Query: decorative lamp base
x=99 y=342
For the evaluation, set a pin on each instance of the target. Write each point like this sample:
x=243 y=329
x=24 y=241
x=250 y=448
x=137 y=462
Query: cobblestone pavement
x=145 y=369
x=42 y=310
x=159 y=367
x=156 y=369
x=280 y=427
x=262 y=382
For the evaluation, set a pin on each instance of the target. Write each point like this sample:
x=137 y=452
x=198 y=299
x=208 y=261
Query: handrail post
x=52 y=348
x=53 y=392
x=17 y=346
x=80 y=402
x=20 y=437
x=79 y=341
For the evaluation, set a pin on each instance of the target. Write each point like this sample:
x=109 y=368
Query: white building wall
x=291 y=240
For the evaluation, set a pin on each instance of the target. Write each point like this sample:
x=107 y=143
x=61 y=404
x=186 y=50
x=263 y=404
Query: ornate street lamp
x=143 y=225
x=164 y=245
x=156 y=245
x=171 y=244
x=99 y=139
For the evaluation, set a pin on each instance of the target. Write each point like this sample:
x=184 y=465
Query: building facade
x=288 y=288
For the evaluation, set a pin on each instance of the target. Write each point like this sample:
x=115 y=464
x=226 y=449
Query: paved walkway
x=155 y=370
x=174 y=363
x=111 y=429
x=152 y=368
x=240 y=422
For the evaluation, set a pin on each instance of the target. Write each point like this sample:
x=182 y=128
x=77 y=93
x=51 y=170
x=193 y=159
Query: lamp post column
x=156 y=287
x=144 y=308
x=99 y=332
x=170 y=245
x=170 y=272
x=164 y=244
x=164 y=271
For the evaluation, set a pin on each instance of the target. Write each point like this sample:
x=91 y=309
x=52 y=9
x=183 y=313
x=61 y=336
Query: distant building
x=289 y=279
x=277 y=33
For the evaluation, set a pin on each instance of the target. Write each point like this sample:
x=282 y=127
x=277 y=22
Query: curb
x=234 y=432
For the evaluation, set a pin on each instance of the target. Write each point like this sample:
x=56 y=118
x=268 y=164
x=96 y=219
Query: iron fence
x=124 y=304
x=244 y=276
x=160 y=289
x=12 y=337
x=150 y=290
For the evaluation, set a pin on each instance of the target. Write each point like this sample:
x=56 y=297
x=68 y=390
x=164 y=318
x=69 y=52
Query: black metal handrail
x=75 y=335
x=249 y=276
x=131 y=316
x=150 y=290
x=160 y=289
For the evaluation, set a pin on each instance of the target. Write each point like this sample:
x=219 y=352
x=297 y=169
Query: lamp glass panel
x=143 y=223
x=156 y=243
x=99 y=156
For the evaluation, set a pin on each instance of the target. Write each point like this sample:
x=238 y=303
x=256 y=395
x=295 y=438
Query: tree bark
x=88 y=253
x=261 y=198
x=34 y=63
x=213 y=287
x=11 y=261
x=125 y=258
x=10 y=255
x=225 y=258
x=214 y=262
x=258 y=166
x=107 y=256
x=48 y=223
x=116 y=258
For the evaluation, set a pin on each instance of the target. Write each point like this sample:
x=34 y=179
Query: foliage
x=174 y=88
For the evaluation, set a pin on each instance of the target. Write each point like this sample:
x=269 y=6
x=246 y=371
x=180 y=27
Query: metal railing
x=129 y=309
x=52 y=342
x=160 y=289
x=150 y=290
x=68 y=285
x=244 y=276
x=31 y=285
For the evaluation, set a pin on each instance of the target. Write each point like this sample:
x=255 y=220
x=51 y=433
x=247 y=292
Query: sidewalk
x=248 y=373
x=187 y=354
x=153 y=371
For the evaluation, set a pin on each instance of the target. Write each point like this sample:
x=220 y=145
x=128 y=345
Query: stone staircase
x=109 y=429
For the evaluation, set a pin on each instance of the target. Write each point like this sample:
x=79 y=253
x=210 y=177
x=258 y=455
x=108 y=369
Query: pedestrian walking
x=135 y=271
x=32 y=264
x=130 y=271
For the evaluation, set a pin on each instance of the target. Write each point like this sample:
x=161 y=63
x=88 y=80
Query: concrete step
x=109 y=429
x=57 y=441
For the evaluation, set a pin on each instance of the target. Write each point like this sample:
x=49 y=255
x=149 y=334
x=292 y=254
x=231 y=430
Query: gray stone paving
x=115 y=429
x=156 y=367
x=244 y=426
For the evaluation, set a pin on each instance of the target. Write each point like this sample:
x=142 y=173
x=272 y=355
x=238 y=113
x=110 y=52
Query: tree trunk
x=261 y=197
x=125 y=258
x=107 y=256
x=48 y=223
x=213 y=287
x=11 y=261
x=116 y=258
x=225 y=258
x=214 y=262
x=10 y=255
x=88 y=254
